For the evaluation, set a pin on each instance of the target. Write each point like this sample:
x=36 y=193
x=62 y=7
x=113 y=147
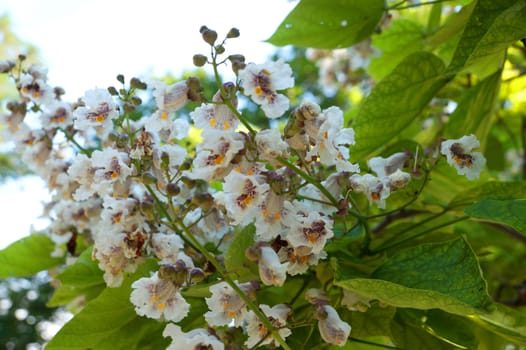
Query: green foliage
x=341 y=24
x=508 y=212
x=396 y=101
x=28 y=256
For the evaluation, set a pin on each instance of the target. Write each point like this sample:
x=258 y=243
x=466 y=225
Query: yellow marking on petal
x=114 y=174
x=25 y=89
x=326 y=135
x=226 y=126
x=250 y=172
x=313 y=238
x=375 y=196
x=238 y=169
x=225 y=305
x=154 y=298
x=266 y=72
x=231 y=314
x=277 y=216
x=212 y=122
x=160 y=306
x=264 y=212
x=164 y=115
x=258 y=90
x=36 y=94
x=99 y=118
x=219 y=159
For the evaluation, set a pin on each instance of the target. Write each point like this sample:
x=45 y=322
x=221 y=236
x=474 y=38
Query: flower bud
x=136 y=101
x=199 y=60
x=233 y=33
x=172 y=189
x=316 y=296
x=149 y=178
x=113 y=91
x=203 y=200
x=219 y=49
x=209 y=36
x=236 y=57
x=120 y=78
x=197 y=275
x=136 y=83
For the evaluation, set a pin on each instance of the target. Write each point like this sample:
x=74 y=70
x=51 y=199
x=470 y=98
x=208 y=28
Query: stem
x=447 y=223
x=219 y=268
x=309 y=179
x=373 y=344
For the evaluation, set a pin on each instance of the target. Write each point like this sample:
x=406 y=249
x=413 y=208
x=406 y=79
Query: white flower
x=166 y=246
x=215 y=153
x=310 y=230
x=269 y=222
x=271 y=271
x=169 y=98
x=215 y=116
x=376 y=189
x=242 y=196
x=270 y=145
x=158 y=298
x=58 y=115
x=256 y=330
x=226 y=306
x=300 y=258
x=355 y=302
x=195 y=339
x=332 y=141
x=387 y=166
x=111 y=167
x=98 y=112
x=262 y=81
x=34 y=87
x=459 y=155
x=82 y=171
x=332 y=329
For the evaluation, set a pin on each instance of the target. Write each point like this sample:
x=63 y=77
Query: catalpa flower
x=226 y=306
x=158 y=298
x=258 y=333
x=98 y=112
x=459 y=155
x=195 y=339
x=215 y=116
x=332 y=329
x=261 y=81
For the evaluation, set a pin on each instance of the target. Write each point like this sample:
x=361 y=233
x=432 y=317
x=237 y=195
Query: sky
x=85 y=44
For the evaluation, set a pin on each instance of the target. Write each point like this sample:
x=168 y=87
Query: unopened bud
x=209 y=36
x=113 y=91
x=332 y=329
x=149 y=178
x=136 y=101
x=199 y=60
x=316 y=296
x=120 y=78
x=233 y=33
x=197 y=275
x=220 y=49
x=172 y=189
x=136 y=83
x=128 y=107
x=190 y=183
x=22 y=57
x=203 y=200
x=58 y=91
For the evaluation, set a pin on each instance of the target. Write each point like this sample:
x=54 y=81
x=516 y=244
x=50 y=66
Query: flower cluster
x=122 y=182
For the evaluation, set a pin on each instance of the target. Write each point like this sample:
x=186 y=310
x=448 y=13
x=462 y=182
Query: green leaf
x=475 y=109
x=109 y=317
x=492 y=27
x=402 y=38
x=375 y=321
x=509 y=212
x=490 y=190
x=235 y=259
x=442 y=275
x=506 y=322
x=28 y=256
x=83 y=278
x=408 y=333
x=396 y=101
x=328 y=25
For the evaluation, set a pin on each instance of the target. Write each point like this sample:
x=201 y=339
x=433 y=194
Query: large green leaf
x=402 y=38
x=28 y=256
x=235 y=259
x=375 y=321
x=81 y=278
x=492 y=27
x=442 y=275
x=509 y=212
x=490 y=190
x=475 y=109
x=329 y=24
x=396 y=101
x=109 y=317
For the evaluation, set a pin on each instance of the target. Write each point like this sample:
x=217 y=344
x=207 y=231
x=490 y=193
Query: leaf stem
x=398 y=6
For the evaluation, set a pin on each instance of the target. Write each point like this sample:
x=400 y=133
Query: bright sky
x=85 y=44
